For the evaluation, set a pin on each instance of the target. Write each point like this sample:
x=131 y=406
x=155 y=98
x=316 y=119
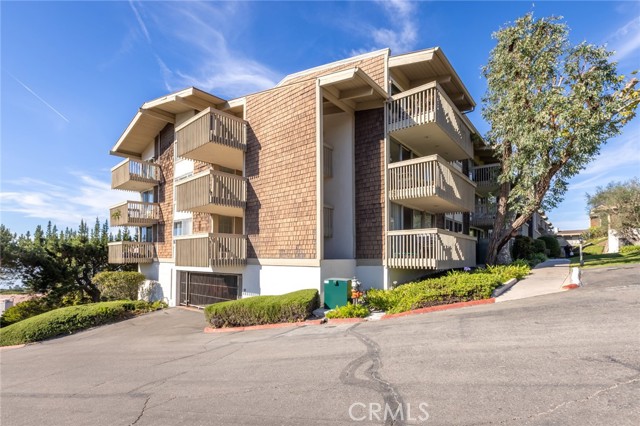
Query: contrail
x=39 y=98
x=140 y=21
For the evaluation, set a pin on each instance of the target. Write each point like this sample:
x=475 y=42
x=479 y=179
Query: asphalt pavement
x=568 y=358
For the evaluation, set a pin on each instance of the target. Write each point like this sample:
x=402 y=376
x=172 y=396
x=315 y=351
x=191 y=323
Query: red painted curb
x=345 y=320
x=262 y=327
x=570 y=286
x=441 y=308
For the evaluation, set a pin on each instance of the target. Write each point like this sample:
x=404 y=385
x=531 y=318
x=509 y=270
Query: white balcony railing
x=430 y=249
x=429 y=104
x=211 y=250
x=432 y=178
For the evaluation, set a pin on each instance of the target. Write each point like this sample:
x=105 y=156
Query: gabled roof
x=155 y=114
x=413 y=69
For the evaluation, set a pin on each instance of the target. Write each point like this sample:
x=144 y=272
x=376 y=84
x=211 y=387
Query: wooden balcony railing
x=135 y=175
x=430 y=249
x=486 y=177
x=211 y=250
x=134 y=213
x=430 y=183
x=213 y=136
x=428 y=104
x=212 y=192
x=130 y=252
x=483 y=216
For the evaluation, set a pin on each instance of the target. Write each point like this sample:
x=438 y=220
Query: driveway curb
x=504 y=287
x=441 y=308
x=262 y=327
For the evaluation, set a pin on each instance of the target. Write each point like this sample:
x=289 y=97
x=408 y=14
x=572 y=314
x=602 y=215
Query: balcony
x=430 y=249
x=130 y=252
x=211 y=250
x=212 y=192
x=135 y=175
x=425 y=120
x=134 y=213
x=213 y=136
x=486 y=177
x=430 y=184
x=483 y=216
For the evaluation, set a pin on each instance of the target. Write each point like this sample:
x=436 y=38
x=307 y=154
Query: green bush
x=290 y=307
x=70 y=319
x=24 y=310
x=539 y=246
x=382 y=300
x=518 y=269
x=537 y=258
x=349 y=311
x=552 y=245
x=118 y=285
x=629 y=249
x=523 y=247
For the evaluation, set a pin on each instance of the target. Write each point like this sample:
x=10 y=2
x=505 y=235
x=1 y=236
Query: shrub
x=24 y=310
x=537 y=258
x=518 y=270
x=70 y=319
x=290 y=307
x=349 y=311
x=539 y=246
x=382 y=300
x=552 y=245
x=119 y=285
x=629 y=249
x=594 y=249
x=523 y=247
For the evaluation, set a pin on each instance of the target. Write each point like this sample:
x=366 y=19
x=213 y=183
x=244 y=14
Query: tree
x=620 y=201
x=551 y=105
x=58 y=264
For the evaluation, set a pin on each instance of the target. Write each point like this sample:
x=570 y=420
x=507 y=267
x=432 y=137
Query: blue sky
x=74 y=73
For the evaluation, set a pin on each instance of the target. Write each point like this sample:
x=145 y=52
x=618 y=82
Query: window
x=328 y=221
x=182 y=227
x=225 y=224
x=147 y=196
x=146 y=234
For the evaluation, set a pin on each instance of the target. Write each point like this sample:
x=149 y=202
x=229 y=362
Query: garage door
x=201 y=289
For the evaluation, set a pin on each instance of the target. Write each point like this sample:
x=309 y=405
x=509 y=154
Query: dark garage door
x=200 y=289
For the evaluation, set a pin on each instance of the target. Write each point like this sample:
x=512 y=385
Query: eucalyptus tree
x=551 y=105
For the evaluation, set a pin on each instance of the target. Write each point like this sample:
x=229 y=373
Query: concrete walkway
x=545 y=278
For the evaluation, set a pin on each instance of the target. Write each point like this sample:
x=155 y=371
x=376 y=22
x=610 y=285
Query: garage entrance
x=201 y=289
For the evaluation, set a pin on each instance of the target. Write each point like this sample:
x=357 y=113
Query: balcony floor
x=428 y=139
x=214 y=153
x=432 y=204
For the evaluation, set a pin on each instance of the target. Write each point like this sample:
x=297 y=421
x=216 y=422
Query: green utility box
x=337 y=292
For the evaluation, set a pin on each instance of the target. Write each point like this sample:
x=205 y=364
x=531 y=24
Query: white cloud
x=203 y=30
x=85 y=197
x=626 y=40
x=402 y=36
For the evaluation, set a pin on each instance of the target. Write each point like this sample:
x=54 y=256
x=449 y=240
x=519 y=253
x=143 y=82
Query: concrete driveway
x=569 y=358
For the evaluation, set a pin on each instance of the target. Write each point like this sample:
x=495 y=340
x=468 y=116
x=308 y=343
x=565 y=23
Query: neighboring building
x=356 y=168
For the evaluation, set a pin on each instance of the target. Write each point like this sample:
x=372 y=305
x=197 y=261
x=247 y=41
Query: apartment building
x=361 y=167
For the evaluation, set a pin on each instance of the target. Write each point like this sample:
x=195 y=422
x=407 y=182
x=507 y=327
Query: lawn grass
x=606 y=259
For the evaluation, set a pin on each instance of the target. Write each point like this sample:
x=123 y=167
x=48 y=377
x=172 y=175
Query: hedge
x=552 y=245
x=70 y=319
x=290 y=307
x=118 y=285
x=629 y=249
x=451 y=288
x=24 y=310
